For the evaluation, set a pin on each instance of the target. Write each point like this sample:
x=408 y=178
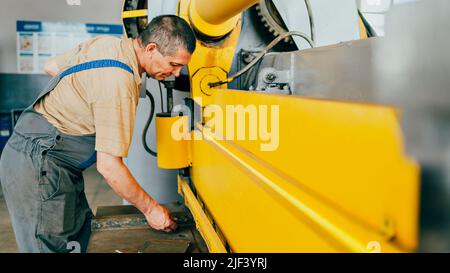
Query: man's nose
x=176 y=72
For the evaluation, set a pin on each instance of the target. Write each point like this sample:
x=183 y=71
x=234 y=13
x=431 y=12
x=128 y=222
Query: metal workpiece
x=123 y=229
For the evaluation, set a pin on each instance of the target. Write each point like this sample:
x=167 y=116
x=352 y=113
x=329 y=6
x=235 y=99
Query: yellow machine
x=268 y=172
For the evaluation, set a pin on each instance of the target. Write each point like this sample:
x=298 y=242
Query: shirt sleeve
x=63 y=61
x=114 y=110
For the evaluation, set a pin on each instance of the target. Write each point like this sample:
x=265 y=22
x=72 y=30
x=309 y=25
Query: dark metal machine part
x=20 y=90
x=123 y=229
x=338 y=72
x=412 y=72
x=17 y=91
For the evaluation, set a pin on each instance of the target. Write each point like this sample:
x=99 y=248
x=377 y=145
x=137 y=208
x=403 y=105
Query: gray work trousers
x=43 y=189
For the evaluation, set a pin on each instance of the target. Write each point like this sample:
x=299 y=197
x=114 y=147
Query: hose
x=147 y=124
x=161 y=96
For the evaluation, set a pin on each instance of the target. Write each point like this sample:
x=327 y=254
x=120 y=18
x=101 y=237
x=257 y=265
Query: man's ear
x=150 y=48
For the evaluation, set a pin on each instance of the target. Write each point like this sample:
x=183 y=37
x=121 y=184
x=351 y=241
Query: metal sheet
x=337 y=180
x=123 y=229
x=136 y=241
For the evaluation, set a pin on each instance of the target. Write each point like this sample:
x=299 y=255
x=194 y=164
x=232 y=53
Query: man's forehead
x=180 y=54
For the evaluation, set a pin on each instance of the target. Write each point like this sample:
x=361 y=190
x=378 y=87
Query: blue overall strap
x=87 y=163
x=77 y=68
x=95 y=64
x=87 y=66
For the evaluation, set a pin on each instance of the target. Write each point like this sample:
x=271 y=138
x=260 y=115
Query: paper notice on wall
x=26 y=42
x=39 y=41
x=63 y=42
x=45 y=43
x=43 y=58
x=26 y=63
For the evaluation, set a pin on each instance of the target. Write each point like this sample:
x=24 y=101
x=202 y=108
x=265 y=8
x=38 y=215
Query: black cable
x=161 y=96
x=147 y=124
x=256 y=70
x=262 y=54
x=311 y=20
x=369 y=29
x=251 y=75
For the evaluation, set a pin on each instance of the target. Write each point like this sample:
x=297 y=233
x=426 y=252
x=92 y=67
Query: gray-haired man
x=86 y=114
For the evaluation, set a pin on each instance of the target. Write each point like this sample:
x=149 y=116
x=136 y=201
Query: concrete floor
x=97 y=191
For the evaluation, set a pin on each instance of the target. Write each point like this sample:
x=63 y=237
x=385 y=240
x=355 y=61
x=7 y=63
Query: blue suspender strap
x=87 y=163
x=80 y=67
x=87 y=66
x=95 y=64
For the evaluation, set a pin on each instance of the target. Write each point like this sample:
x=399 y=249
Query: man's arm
x=57 y=63
x=123 y=183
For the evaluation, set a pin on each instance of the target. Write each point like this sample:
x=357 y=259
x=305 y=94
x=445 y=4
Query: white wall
x=375 y=10
x=90 y=11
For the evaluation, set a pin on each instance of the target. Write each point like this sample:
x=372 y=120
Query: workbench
x=124 y=229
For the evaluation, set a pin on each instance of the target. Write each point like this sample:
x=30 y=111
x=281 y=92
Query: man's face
x=160 y=67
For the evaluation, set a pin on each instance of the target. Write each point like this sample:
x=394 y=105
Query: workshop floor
x=98 y=193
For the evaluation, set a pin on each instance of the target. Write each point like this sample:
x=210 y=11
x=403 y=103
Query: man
x=86 y=113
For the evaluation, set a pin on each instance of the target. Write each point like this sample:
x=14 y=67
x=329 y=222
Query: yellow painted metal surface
x=338 y=181
x=126 y=14
x=134 y=13
x=203 y=224
x=362 y=29
x=209 y=60
x=216 y=18
x=172 y=148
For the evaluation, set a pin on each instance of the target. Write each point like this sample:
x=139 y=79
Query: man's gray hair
x=169 y=33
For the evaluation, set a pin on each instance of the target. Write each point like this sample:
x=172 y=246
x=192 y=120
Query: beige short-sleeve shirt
x=101 y=100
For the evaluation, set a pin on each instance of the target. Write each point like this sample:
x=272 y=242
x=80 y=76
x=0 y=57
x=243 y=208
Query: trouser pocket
x=50 y=177
x=58 y=210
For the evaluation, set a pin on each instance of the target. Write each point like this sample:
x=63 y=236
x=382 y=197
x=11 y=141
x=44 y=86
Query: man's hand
x=123 y=183
x=158 y=217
